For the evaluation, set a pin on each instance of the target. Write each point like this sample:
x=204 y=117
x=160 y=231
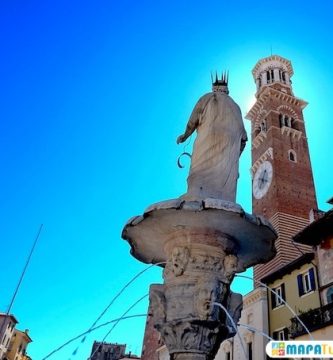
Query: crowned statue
x=220 y=140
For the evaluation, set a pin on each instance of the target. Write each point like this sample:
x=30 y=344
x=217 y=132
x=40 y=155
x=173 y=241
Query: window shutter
x=273 y=300
x=283 y=292
x=300 y=284
x=312 y=279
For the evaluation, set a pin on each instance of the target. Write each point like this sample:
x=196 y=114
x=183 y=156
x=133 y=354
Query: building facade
x=297 y=285
x=18 y=346
x=319 y=319
x=283 y=187
x=151 y=348
x=7 y=328
x=110 y=351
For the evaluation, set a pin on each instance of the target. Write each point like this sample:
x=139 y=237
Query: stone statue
x=220 y=140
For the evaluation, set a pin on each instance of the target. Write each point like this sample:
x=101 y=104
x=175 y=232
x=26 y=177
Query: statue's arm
x=190 y=127
x=194 y=119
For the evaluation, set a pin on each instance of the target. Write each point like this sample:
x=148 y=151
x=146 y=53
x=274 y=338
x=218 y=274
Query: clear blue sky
x=93 y=97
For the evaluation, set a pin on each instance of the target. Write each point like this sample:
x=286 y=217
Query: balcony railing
x=313 y=319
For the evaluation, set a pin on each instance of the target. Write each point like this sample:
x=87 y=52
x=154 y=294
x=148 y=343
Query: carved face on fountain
x=208 y=291
x=179 y=259
x=230 y=266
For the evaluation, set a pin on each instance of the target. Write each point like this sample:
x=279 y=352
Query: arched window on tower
x=272 y=75
x=263 y=125
x=268 y=77
x=292 y=156
x=284 y=76
x=287 y=121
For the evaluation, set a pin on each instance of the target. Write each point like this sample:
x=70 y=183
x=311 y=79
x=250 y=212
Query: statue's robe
x=216 y=150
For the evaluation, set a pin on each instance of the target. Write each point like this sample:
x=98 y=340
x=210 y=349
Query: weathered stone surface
x=149 y=235
x=183 y=308
x=221 y=137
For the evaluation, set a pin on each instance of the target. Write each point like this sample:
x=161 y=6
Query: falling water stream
x=232 y=323
x=280 y=297
x=251 y=328
x=123 y=317
x=93 y=326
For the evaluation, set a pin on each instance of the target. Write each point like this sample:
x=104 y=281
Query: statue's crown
x=222 y=81
x=221 y=84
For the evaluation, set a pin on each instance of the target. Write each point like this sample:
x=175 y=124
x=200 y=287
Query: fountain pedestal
x=203 y=243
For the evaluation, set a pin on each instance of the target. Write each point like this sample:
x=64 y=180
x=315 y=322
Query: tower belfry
x=282 y=182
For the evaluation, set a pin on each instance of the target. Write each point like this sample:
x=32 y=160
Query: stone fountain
x=203 y=237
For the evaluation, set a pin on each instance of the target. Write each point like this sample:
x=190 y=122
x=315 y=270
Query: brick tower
x=282 y=182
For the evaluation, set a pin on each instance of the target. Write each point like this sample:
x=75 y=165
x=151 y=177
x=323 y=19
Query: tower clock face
x=262 y=179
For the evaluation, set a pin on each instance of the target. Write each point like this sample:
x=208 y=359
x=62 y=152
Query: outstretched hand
x=181 y=139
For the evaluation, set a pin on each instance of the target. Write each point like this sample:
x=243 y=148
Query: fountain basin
x=211 y=222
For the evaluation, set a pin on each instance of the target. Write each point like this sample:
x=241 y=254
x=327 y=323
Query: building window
x=278 y=297
x=263 y=125
x=306 y=282
x=281 y=334
x=270 y=76
x=292 y=156
x=286 y=120
x=329 y=295
x=227 y=356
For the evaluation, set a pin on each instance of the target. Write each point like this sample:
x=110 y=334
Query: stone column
x=276 y=75
x=287 y=78
x=264 y=78
x=200 y=267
